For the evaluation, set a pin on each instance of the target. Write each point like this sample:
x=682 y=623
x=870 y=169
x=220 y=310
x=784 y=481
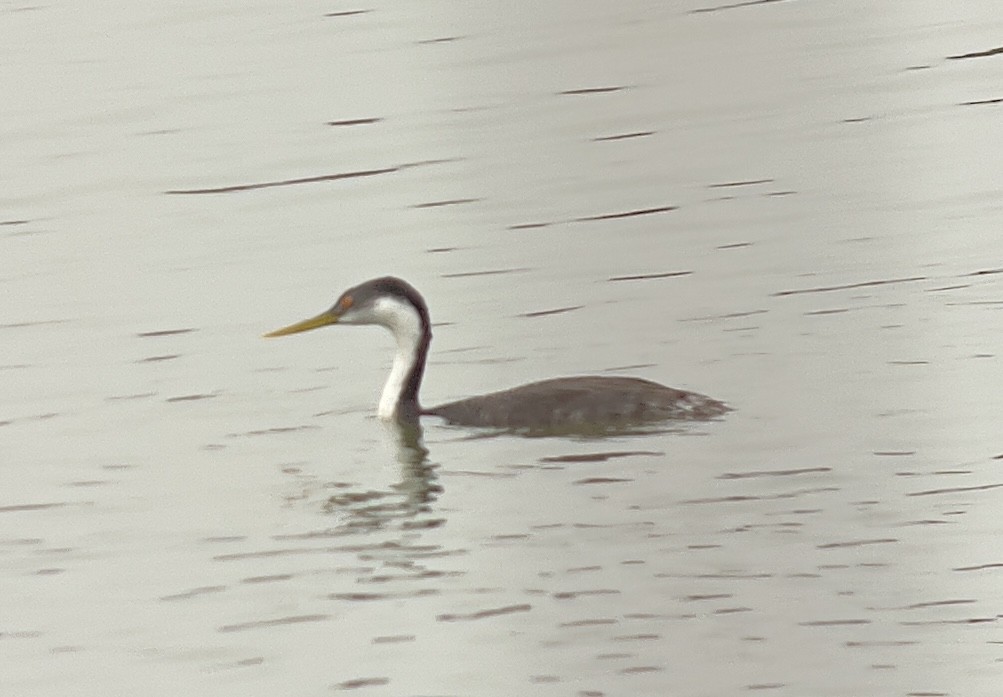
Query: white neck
x=405 y=324
x=403 y=360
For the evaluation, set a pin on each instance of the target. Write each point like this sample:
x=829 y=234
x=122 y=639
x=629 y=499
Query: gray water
x=794 y=207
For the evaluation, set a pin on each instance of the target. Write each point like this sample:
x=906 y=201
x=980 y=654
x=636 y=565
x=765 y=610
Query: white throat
x=404 y=323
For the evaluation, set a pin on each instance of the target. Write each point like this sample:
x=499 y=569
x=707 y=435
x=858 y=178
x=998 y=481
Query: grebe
x=584 y=404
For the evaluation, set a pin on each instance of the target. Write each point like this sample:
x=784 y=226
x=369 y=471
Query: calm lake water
x=794 y=207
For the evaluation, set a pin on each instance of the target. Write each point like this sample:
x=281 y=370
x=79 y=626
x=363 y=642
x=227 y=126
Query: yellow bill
x=321 y=320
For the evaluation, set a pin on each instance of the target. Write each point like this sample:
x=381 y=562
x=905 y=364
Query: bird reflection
x=408 y=502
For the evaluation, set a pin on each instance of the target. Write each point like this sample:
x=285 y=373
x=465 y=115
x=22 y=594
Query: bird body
x=580 y=404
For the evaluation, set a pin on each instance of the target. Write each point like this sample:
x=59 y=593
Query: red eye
x=346 y=302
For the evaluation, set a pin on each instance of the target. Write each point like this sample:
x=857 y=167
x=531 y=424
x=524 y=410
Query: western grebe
x=575 y=404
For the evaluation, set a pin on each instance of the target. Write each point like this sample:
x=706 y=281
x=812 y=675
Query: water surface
x=793 y=207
